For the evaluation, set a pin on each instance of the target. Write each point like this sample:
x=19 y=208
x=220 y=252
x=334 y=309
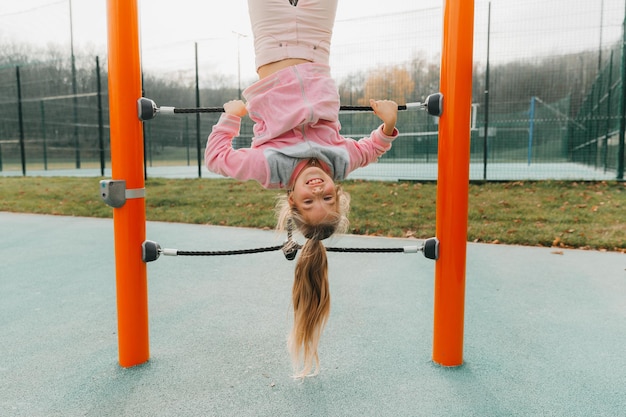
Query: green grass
x=587 y=215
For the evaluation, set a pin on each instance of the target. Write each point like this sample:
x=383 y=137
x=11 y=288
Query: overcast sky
x=368 y=32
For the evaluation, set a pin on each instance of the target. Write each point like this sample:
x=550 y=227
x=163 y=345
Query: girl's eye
x=328 y=198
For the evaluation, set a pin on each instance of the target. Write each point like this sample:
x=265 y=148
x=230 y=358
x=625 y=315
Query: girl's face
x=314 y=195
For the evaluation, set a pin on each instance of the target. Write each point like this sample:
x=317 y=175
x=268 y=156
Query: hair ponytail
x=310 y=291
x=311 y=307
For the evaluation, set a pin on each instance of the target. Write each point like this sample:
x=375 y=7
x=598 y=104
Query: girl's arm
x=387 y=111
x=367 y=150
x=236 y=108
x=220 y=156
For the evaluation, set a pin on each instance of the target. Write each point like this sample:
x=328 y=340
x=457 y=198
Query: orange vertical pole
x=127 y=164
x=453 y=181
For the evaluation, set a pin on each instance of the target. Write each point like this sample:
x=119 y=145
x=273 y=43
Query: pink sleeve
x=367 y=150
x=220 y=156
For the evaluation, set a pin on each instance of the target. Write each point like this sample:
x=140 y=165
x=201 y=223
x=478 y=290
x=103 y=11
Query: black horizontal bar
x=221 y=109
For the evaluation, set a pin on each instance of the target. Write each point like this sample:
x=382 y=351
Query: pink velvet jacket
x=296 y=118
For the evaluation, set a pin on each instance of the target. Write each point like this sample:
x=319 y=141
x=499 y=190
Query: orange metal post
x=127 y=164
x=453 y=181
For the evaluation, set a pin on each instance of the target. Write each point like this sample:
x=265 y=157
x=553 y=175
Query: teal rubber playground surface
x=544 y=329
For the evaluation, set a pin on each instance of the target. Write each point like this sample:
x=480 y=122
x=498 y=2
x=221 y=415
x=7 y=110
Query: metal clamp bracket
x=115 y=194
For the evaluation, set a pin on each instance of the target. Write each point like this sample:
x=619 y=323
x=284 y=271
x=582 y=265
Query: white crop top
x=282 y=30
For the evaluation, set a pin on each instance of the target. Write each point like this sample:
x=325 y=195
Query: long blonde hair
x=310 y=292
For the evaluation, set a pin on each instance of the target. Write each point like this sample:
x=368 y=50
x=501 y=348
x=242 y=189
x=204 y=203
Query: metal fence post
x=20 y=118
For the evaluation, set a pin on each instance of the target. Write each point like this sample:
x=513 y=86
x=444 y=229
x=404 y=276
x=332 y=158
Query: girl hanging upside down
x=297 y=146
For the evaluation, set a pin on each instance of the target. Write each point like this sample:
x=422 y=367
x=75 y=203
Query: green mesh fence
x=595 y=138
x=536 y=135
x=45 y=124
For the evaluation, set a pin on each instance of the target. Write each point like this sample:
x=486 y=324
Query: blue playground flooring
x=544 y=329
